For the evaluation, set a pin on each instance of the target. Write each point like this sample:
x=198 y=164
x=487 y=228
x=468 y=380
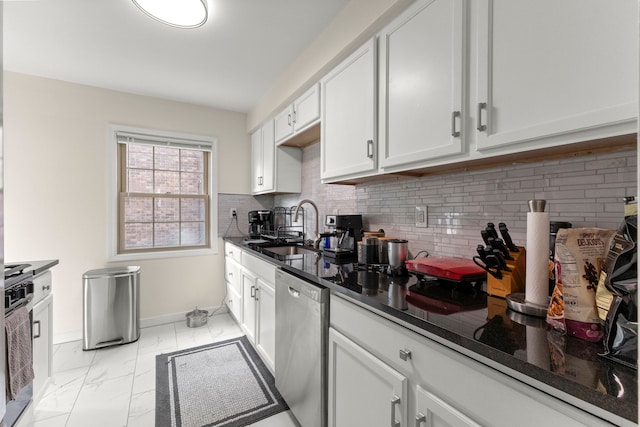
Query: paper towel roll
x=537 y=273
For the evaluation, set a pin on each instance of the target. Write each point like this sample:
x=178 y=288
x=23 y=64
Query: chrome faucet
x=317 y=237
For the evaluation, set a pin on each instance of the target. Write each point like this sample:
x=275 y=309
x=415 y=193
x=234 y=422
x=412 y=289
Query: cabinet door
x=233 y=300
x=555 y=72
x=268 y=157
x=248 y=305
x=306 y=109
x=434 y=412
x=363 y=390
x=266 y=327
x=42 y=345
x=256 y=161
x=421 y=83
x=283 y=124
x=233 y=274
x=348 y=116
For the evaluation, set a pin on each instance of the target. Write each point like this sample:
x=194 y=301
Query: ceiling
x=228 y=63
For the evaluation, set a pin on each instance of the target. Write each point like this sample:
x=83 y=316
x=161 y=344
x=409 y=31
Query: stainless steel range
x=18 y=293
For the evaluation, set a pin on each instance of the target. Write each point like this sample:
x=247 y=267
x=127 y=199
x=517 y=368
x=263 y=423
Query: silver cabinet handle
x=295 y=119
x=36 y=334
x=394 y=402
x=420 y=418
x=370 y=148
x=253 y=292
x=289 y=119
x=256 y=294
x=405 y=354
x=454 y=115
x=230 y=274
x=481 y=106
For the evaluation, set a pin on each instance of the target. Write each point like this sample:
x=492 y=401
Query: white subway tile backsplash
x=585 y=190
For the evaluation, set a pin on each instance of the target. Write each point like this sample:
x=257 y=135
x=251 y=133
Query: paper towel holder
x=516 y=302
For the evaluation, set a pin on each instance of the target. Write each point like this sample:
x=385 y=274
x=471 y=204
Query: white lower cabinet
x=233 y=300
x=249 y=305
x=233 y=279
x=431 y=411
x=259 y=306
x=266 y=322
x=42 y=346
x=363 y=390
x=373 y=361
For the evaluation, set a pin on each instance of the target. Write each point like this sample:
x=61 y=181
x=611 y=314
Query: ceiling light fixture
x=177 y=13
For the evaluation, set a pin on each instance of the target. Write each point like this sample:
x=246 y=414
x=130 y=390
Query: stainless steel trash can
x=111 y=309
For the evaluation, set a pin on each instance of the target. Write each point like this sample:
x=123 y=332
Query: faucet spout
x=317 y=238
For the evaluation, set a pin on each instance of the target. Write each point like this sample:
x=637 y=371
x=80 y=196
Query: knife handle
x=485 y=236
x=491 y=229
x=501 y=260
x=481 y=252
x=499 y=244
x=507 y=237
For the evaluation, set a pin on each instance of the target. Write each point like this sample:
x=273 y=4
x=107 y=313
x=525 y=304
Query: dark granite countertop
x=485 y=328
x=37 y=266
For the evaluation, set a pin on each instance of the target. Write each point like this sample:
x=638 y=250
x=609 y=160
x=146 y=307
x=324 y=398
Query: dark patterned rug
x=219 y=384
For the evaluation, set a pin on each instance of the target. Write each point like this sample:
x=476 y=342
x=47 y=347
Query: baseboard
x=144 y=323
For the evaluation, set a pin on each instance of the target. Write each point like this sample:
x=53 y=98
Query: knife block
x=512 y=281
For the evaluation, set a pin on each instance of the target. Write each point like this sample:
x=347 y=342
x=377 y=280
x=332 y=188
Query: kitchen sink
x=290 y=250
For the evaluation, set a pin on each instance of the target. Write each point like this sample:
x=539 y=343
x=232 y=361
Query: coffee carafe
x=260 y=223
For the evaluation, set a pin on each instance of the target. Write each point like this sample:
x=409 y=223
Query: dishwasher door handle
x=294 y=293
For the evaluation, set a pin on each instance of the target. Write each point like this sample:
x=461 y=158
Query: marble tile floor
x=115 y=386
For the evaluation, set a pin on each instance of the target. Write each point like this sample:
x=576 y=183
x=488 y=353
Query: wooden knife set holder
x=511 y=281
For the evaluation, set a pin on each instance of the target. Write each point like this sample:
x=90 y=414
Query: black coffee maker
x=260 y=222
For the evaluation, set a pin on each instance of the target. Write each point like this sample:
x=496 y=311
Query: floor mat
x=219 y=384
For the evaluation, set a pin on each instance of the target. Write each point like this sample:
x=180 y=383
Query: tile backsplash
x=586 y=191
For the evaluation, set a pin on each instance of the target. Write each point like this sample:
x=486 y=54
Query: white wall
x=56 y=177
x=357 y=21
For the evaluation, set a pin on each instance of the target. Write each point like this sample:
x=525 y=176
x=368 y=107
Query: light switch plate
x=421 y=216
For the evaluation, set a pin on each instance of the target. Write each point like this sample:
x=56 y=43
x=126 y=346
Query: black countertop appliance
x=260 y=222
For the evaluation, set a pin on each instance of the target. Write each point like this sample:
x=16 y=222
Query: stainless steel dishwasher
x=302 y=325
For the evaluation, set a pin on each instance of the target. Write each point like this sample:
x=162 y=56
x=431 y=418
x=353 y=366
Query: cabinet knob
x=394 y=402
x=420 y=418
x=405 y=354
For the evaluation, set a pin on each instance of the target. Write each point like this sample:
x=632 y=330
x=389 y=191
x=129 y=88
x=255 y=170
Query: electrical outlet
x=233 y=212
x=421 y=216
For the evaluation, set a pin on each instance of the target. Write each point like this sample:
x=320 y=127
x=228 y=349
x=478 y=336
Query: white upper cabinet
x=298 y=116
x=421 y=84
x=262 y=159
x=553 y=73
x=348 y=116
x=274 y=169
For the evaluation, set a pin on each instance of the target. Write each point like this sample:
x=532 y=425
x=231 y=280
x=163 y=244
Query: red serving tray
x=449 y=268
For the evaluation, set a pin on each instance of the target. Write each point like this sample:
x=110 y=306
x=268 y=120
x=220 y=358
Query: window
x=164 y=192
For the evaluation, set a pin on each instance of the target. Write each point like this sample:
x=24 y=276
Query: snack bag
x=579 y=256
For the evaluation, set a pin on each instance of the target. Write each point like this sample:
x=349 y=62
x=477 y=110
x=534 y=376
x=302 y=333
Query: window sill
x=162 y=255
